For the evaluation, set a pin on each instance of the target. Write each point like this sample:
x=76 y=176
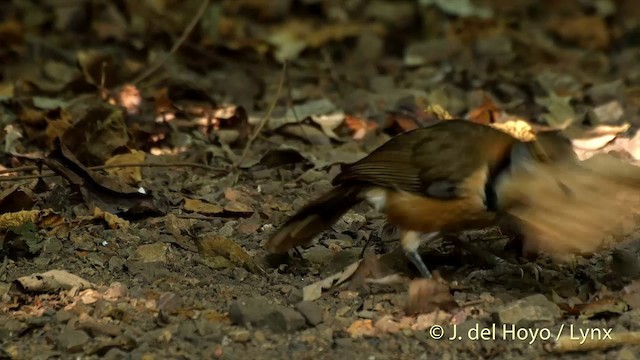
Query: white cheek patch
x=377 y=197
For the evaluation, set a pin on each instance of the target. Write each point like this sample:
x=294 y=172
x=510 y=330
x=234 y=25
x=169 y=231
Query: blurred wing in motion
x=566 y=208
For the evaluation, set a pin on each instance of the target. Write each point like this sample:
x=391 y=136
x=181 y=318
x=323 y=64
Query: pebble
x=531 y=308
x=311 y=312
x=72 y=341
x=152 y=253
x=170 y=303
x=116 y=264
x=259 y=336
x=241 y=336
x=285 y=320
x=250 y=311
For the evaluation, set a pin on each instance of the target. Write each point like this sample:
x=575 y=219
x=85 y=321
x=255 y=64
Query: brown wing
x=432 y=161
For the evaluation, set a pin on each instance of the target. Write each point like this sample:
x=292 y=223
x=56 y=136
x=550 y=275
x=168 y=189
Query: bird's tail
x=314 y=218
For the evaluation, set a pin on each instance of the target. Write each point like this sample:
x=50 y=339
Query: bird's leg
x=410 y=242
x=494 y=260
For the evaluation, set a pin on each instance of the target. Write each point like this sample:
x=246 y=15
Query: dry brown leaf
x=41 y=218
x=631 y=294
x=428 y=295
x=114 y=221
x=314 y=291
x=58 y=122
x=295 y=35
x=360 y=328
x=97 y=134
x=360 y=126
x=16 y=198
x=50 y=281
x=519 y=129
x=202 y=207
x=589 y=31
x=238 y=208
x=130 y=175
x=219 y=252
x=600 y=307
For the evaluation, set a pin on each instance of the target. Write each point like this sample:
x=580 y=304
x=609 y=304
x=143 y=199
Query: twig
x=196 y=217
x=191 y=165
x=567 y=343
x=18 y=169
x=264 y=120
x=101 y=167
x=177 y=45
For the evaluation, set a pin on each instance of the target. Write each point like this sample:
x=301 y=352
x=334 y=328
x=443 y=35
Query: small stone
x=227 y=229
x=626 y=354
x=551 y=82
x=115 y=291
x=531 y=308
x=116 y=264
x=4 y=289
x=72 y=341
x=604 y=92
x=96 y=328
x=295 y=296
x=115 y=354
x=285 y=320
x=351 y=222
x=52 y=246
x=630 y=320
x=394 y=13
x=344 y=342
x=311 y=312
x=169 y=303
x=266 y=174
x=608 y=113
x=152 y=253
x=430 y=51
x=227 y=136
x=240 y=274
x=241 y=336
x=495 y=46
x=382 y=84
x=251 y=311
x=62 y=316
x=259 y=336
x=319 y=255
x=312 y=176
x=366 y=314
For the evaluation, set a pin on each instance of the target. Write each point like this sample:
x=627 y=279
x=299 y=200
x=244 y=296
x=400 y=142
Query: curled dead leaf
x=314 y=291
x=114 y=221
x=202 y=207
x=428 y=295
x=220 y=252
x=360 y=328
x=131 y=174
x=16 y=198
x=50 y=281
x=41 y=218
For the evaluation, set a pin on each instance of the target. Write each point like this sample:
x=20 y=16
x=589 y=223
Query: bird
x=458 y=175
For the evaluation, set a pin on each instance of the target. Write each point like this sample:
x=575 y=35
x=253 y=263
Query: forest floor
x=231 y=142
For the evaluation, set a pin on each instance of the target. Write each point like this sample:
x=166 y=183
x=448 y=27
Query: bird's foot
x=502 y=266
x=415 y=258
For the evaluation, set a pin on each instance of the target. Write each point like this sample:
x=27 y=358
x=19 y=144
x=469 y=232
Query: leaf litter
x=169 y=245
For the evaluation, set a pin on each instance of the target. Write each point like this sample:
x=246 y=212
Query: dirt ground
x=231 y=145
